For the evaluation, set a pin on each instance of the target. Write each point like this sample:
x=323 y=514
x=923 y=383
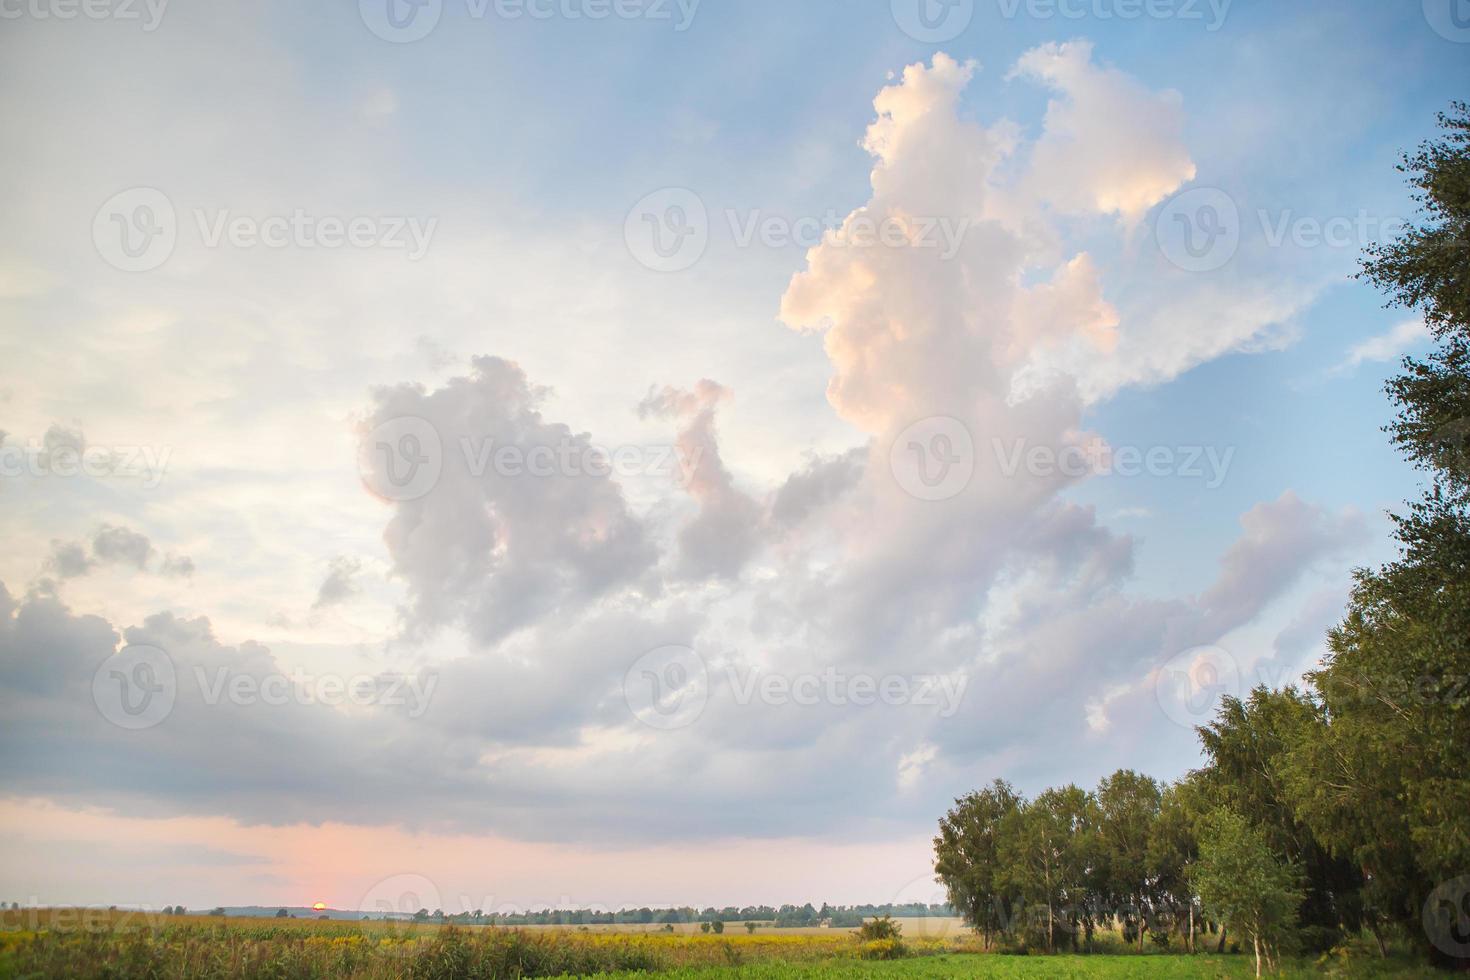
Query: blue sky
x=561 y=673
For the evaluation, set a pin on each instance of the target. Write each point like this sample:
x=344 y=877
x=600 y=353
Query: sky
x=600 y=453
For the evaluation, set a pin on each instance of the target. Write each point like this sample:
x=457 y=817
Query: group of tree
x=1321 y=812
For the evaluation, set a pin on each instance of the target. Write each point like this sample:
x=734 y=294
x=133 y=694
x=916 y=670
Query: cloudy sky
x=593 y=454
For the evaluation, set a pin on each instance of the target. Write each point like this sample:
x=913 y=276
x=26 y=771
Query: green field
x=979 y=965
x=994 y=965
x=101 y=944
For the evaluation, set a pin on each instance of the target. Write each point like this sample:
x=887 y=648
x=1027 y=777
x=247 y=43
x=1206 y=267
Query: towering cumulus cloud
x=972 y=331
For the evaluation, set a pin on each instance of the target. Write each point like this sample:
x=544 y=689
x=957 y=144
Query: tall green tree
x=1128 y=807
x=1249 y=746
x=1244 y=884
x=1385 y=780
x=967 y=858
x=1173 y=848
x=1049 y=850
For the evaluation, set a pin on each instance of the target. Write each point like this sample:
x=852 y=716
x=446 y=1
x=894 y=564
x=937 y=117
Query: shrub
x=882 y=927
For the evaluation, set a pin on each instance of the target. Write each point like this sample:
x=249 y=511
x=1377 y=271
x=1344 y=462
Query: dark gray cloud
x=338 y=586
x=122 y=545
x=113 y=545
x=68 y=559
x=824 y=479
x=177 y=566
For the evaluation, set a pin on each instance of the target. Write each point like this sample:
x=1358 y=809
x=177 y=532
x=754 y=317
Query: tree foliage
x=1244 y=884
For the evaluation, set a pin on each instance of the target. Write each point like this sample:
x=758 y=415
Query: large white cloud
x=1109 y=145
x=551 y=587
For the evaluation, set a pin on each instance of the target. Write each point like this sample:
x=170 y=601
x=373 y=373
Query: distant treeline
x=780 y=917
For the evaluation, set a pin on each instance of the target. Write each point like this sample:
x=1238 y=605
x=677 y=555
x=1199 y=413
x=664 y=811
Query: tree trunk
x=1189 y=938
x=1221 y=947
x=1377 y=929
x=1051 y=931
x=1256 y=940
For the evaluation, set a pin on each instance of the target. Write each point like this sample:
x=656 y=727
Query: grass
x=1002 y=967
x=102 y=944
